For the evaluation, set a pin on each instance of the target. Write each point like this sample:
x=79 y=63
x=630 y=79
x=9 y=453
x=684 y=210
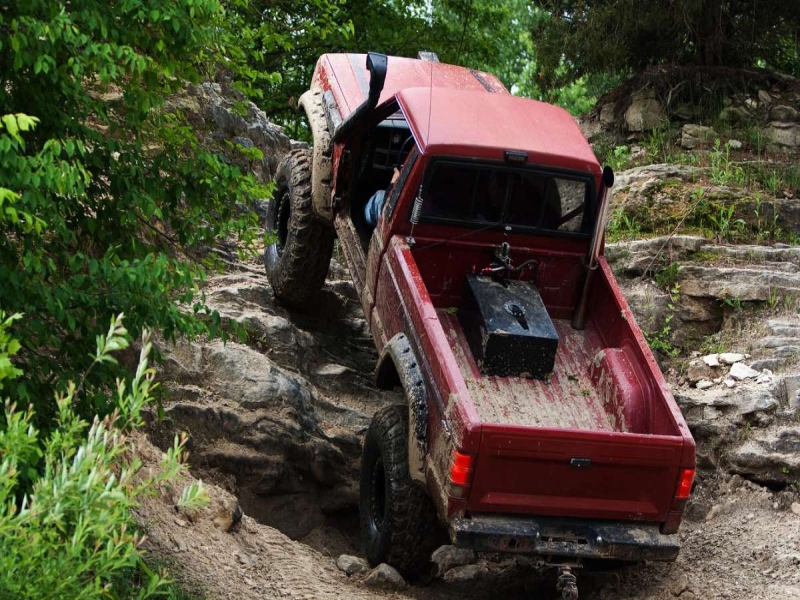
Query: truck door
x=387 y=223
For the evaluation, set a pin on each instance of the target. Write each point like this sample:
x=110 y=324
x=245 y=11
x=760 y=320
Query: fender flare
x=313 y=104
x=398 y=364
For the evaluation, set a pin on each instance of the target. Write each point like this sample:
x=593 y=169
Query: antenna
x=430 y=104
x=464 y=31
x=416 y=210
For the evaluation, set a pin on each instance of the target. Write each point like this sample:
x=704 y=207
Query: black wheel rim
x=282 y=221
x=378 y=494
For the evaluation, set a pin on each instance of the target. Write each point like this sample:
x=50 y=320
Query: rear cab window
x=523 y=197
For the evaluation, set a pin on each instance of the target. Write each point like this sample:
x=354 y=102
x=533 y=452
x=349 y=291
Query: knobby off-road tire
x=297 y=260
x=398 y=519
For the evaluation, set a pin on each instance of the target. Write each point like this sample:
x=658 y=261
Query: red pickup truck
x=537 y=420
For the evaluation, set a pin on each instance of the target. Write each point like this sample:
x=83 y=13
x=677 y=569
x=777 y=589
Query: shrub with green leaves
x=71 y=536
x=108 y=203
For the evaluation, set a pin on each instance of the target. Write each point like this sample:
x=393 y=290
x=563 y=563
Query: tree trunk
x=710 y=33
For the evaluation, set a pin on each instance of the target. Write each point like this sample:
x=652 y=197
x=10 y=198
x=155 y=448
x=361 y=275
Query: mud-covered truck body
x=537 y=420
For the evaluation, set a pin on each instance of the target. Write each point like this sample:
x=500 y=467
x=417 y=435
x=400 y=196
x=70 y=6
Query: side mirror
x=608 y=176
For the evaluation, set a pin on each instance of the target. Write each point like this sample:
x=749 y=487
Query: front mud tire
x=398 y=519
x=299 y=256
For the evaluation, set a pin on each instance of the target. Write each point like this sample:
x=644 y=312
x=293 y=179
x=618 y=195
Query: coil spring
x=416 y=210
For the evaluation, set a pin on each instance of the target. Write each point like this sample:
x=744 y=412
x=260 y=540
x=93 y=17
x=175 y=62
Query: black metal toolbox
x=508 y=328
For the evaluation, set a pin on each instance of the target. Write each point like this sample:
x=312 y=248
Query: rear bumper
x=571 y=538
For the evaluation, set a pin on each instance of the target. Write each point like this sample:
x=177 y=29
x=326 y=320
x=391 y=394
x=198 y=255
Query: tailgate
x=572 y=473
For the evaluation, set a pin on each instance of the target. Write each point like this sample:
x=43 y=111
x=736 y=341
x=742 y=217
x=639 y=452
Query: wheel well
x=387 y=376
x=399 y=367
x=313 y=105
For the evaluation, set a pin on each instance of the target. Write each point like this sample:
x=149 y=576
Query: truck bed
x=601 y=438
x=568 y=399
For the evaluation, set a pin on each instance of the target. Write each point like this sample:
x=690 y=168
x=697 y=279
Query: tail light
x=462 y=467
x=684 y=484
x=682 y=492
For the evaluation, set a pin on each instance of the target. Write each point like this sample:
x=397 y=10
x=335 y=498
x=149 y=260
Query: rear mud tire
x=398 y=519
x=299 y=256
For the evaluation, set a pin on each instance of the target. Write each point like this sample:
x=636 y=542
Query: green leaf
x=10 y=123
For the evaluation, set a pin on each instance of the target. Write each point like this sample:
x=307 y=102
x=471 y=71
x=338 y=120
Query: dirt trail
x=744 y=541
x=750 y=548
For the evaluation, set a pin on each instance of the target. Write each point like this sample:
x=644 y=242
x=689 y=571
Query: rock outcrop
x=712 y=280
x=669 y=94
x=281 y=416
x=219 y=117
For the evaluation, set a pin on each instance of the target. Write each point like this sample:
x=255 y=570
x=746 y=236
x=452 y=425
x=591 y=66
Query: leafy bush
x=624 y=35
x=72 y=536
x=108 y=204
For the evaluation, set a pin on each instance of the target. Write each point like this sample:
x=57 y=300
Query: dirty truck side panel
x=403 y=190
x=406 y=308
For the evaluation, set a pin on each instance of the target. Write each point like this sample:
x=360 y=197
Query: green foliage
x=621 y=36
x=723 y=170
x=712 y=344
x=734 y=302
x=622 y=226
x=775 y=178
x=772 y=300
x=108 y=203
x=723 y=225
x=494 y=36
x=67 y=533
x=516 y=63
x=618 y=158
x=660 y=341
x=667 y=277
x=8 y=348
x=273 y=46
x=766 y=228
x=657 y=143
x=772 y=182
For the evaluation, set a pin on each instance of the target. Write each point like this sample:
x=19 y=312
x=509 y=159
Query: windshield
x=468 y=193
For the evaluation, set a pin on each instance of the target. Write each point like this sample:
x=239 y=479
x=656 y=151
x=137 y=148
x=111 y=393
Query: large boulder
x=711 y=279
x=719 y=412
x=448 y=557
x=783 y=113
x=781 y=135
x=644 y=178
x=772 y=457
x=645 y=112
x=735 y=115
x=385 y=577
x=695 y=136
x=737 y=284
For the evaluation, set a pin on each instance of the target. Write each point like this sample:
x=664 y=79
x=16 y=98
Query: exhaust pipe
x=579 y=318
x=376 y=65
